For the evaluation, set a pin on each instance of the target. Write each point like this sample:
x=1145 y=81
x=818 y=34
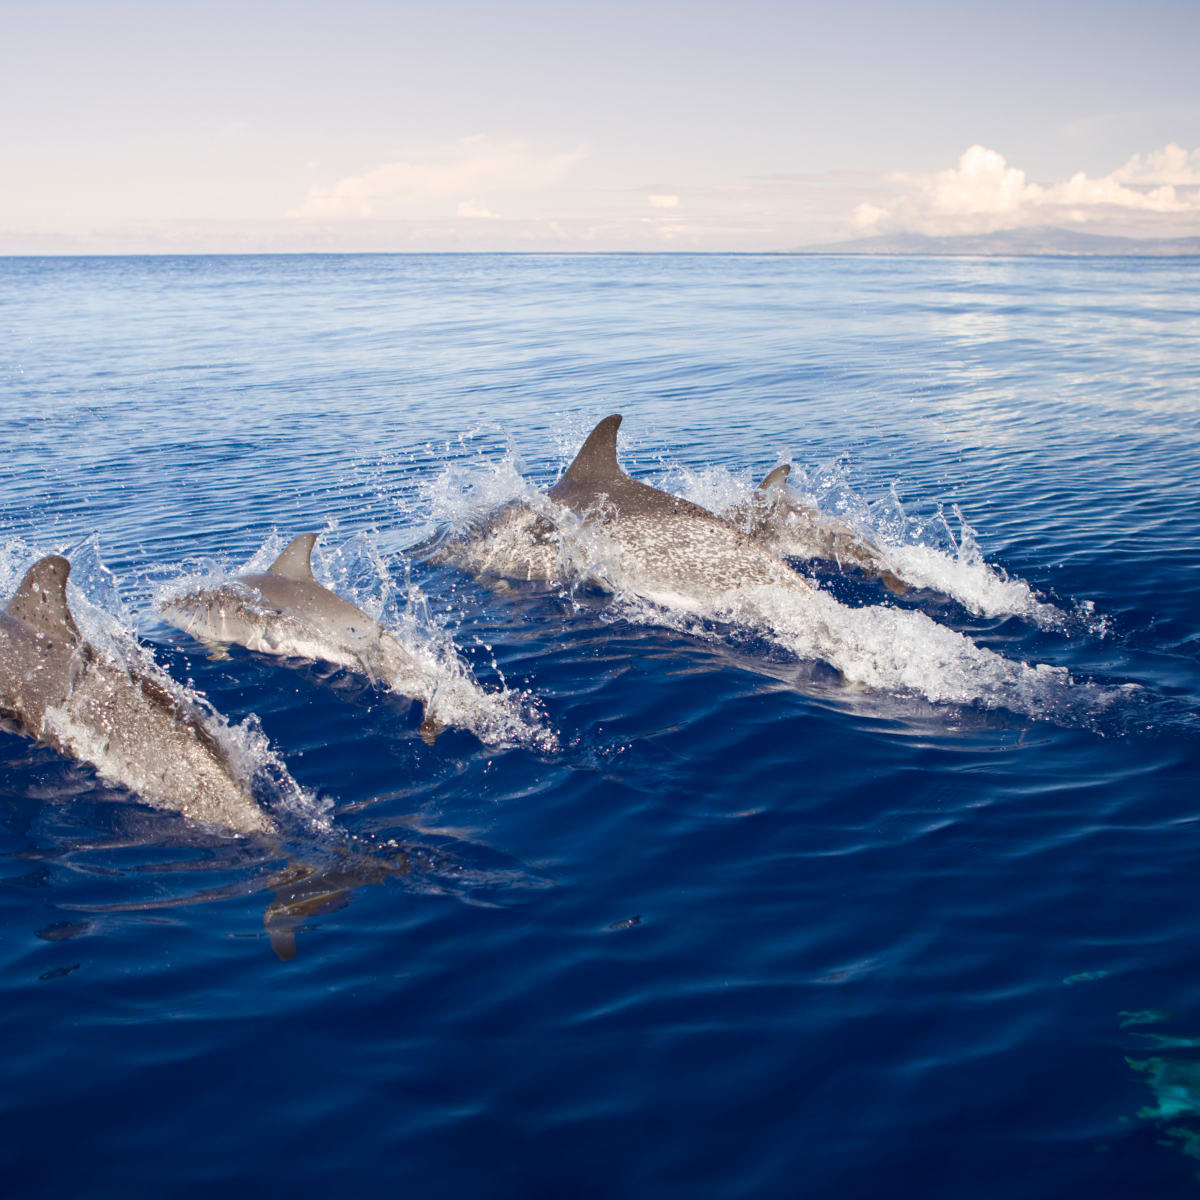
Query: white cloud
x=663 y=201
x=867 y=216
x=1171 y=165
x=472 y=209
x=983 y=193
x=430 y=182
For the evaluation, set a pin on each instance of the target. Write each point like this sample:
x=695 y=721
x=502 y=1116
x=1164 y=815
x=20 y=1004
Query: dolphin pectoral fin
x=775 y=478
x=295 y=562
x=494 y=582
x=41 y=600
x=283 y=942
x=303 y=893
x=893 y=583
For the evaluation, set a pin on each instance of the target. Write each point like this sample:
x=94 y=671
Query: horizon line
x=832 y=251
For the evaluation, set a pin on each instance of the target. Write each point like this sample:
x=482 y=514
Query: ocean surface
x=873 y=894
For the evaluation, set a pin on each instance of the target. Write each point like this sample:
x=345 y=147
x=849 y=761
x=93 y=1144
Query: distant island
x=1013 y=242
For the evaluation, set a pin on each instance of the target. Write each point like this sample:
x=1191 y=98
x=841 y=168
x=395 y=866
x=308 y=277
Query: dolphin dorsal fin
x=296 y=561
x=597 y=457
x=41 y=600
x=776 y=477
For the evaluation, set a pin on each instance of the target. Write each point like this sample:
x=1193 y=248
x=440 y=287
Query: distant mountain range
x=1013 y=242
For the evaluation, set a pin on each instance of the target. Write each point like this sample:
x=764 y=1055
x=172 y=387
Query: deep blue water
x=732 y=927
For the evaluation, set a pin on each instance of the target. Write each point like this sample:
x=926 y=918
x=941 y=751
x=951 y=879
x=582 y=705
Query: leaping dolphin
x=667 y=549
x=57 y=688
x=515 y=541
x=775 y=517
x=521 y=540
x=285 y=611
x=663 y=547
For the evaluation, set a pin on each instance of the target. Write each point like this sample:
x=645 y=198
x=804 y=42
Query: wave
x=922 y=553
x=881 y=646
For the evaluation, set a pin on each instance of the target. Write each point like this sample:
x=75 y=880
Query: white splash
x=880 y=647
x=924 y=554
x=883 y=646
x=105 y=625
x=357 y=571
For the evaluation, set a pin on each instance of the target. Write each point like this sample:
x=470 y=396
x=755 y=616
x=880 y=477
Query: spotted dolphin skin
x=522 y=540
x=775 y=517
x=285 y=611
x=57 y=688
x=667 y=549
x=658 y=545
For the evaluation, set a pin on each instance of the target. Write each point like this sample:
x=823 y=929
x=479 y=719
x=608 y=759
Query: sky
x=589 y=125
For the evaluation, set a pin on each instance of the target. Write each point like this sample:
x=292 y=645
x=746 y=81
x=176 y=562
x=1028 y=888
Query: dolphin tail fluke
x=597 y=457
x=776 y=478
x=296 y=561
x=41 y=600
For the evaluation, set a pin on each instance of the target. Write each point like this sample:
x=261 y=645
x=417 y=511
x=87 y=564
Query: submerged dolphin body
x=57 y=688
x=285 y=611
x=776 y=518
x=304 y=891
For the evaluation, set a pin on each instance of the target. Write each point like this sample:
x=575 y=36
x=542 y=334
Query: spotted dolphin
x=658 y=545
x=775 y=517
x=285 y=611
x=58 y=689
x=524 y=539
x=665 y=548
x=518 y=540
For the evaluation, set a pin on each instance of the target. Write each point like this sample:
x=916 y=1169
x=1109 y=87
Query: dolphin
x=524 y=540
x=516 y=541
x=304 y=890
x=58 y=689
x=285 y=611
x=660 y=546
x=664 y=548
x=776 y=518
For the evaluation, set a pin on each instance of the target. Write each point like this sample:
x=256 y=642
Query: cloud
x=984 y=193
x=868 y=216
x=1171 y=165
x=433 y=182
x=473 y=209
x=663 y=201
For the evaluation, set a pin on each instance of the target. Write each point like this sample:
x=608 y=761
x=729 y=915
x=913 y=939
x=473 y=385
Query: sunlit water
x=823 y=893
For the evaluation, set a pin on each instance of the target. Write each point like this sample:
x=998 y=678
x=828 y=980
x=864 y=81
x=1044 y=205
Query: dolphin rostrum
x=775 y=517
x=285 y=611
x=57 y=688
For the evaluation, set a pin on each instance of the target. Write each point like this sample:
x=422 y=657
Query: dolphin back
x=41 y=600
x=776 y=478
x=296 y=560
x=596 y=461
x=595 y=480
